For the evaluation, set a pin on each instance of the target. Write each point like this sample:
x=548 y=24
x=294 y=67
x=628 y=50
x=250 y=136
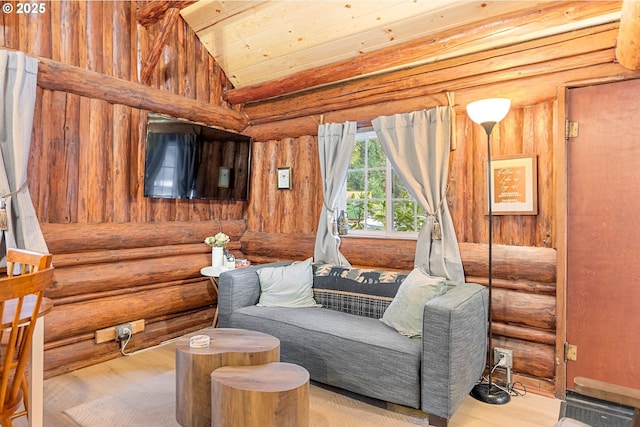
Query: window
x=376 y=200
x=164 y=183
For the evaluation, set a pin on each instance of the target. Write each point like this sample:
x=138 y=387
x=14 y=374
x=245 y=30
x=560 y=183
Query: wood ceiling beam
x=536 y=57
x=170 y=18
x=55 y=75
x=548 y=14
x=628 y=47
x=154 y=11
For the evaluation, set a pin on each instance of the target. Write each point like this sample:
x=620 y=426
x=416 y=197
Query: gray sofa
x=344 y=344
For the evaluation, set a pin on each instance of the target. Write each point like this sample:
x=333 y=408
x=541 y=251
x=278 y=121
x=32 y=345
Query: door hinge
x=570 y=352
x=570 y=129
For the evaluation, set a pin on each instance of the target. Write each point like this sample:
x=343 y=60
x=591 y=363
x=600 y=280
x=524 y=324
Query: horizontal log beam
x=72 y=238
x=98 y=278
x=515 y=263
x=517 y=307
x=76 y=299
x=526 y=91
x=540 y=57
x=516 y=285
x=58 y=76
x=524 y=333
x=71 y=319
x=531 y=358
x=65 y=356
x=416 y=50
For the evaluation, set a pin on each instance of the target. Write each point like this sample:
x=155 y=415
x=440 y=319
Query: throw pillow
x=288 y=286
x=405 y=312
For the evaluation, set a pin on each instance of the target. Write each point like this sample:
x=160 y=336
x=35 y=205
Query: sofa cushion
x=405 y=312
x=287 y=286
x=356 y=353
x=364 y=292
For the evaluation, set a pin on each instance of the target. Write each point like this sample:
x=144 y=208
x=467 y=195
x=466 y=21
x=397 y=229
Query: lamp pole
x=488 y=113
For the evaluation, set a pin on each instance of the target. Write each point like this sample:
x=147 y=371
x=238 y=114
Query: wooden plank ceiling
x=273 y=48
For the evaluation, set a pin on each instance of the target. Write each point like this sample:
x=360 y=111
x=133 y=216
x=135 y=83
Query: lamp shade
x=490 y=110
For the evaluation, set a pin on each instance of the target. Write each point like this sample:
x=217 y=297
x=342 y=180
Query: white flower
x=219 y=240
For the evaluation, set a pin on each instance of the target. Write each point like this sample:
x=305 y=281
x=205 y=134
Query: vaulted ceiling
x=274 y=48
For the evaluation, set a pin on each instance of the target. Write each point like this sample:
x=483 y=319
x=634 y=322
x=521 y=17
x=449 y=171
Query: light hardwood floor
x=65 y=391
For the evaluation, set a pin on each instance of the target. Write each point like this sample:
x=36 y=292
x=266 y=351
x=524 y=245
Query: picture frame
x=224 y=176
x=515 y=185
x=284 y=178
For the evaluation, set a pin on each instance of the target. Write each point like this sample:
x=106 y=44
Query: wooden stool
x=271 y=395
x=236 y=347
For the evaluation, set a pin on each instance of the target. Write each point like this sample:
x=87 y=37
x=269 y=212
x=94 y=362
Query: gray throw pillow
x=405 y=312
x=288 y=286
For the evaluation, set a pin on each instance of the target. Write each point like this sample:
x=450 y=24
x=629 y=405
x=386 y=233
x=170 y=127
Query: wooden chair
x=29 y=262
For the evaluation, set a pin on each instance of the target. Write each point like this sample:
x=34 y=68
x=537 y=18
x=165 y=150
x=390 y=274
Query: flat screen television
x=189 y=161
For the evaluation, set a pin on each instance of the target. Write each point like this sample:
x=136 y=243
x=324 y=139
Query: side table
x=228 y=347
x=214 y=274
x=270 y=395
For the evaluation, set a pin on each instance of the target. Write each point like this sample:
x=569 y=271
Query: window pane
x=376 y=156
x=377 y=183
x=403 y=216
x=355 y=182
x=399 y=191
x=355 y=212
x=375 y=215
x=357 y=158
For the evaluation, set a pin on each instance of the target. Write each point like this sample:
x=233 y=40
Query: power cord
x=124 y=340
x=508 y=387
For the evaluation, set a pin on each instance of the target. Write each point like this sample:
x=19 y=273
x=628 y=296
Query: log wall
x=119 y=257
x=127 y=272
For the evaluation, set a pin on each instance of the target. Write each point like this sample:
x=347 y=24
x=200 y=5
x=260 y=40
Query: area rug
x=151 y=403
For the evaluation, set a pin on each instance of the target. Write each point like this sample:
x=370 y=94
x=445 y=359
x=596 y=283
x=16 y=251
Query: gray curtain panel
x=335 y=144
x=18 y=76
x=418 y=145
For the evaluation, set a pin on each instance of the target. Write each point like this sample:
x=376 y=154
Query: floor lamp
x=487 y=113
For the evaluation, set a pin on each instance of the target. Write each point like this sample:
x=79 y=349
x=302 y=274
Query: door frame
x=561 y=171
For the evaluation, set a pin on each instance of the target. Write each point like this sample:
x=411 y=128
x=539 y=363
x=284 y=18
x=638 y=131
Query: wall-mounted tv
x=189 y=161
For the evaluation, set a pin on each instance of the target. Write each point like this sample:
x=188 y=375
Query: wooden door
x=603 y=233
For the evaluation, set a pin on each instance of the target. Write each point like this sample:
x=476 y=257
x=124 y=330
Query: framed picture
x=284 y=178
x=224 y=176
x=515 y=185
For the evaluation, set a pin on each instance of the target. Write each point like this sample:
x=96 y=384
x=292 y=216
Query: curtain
x=418 y=145
x=156 y=145
x=186 y=165
x=178 y=154
x=335 y=144
x=18 y=76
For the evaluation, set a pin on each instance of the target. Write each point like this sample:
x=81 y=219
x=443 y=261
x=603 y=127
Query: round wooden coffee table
x=228 y=347
x=271 y=395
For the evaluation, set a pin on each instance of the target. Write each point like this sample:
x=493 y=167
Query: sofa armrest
x=239 y=288
x=454 y=351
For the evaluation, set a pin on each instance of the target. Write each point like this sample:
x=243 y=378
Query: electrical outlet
x=507 y=355
x=123 y=332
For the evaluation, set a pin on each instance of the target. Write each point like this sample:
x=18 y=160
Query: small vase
x=217 y=256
